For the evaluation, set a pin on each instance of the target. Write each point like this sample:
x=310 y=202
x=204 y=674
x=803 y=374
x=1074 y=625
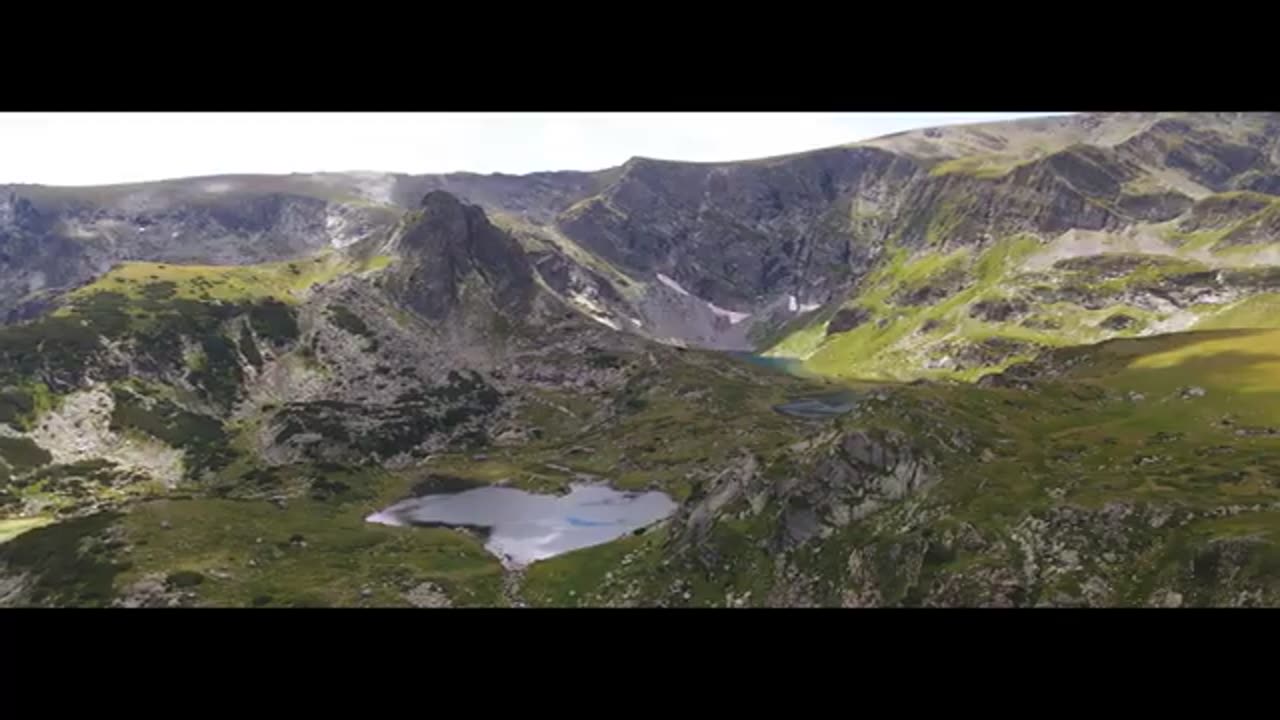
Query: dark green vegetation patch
x=22 y=454
x=203 y=437
x=349 y=321
x=274 y=321
x=59 y=349
x=220 y=375
x=16 y=405
x=249 y=348
x=73 y=563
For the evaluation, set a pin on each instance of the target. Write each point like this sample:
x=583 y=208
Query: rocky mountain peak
x=449 y=247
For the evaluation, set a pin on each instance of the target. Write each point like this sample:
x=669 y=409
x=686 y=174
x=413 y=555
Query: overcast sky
x=102 y=148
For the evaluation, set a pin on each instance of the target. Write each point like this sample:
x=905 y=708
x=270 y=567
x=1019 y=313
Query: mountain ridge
x=747 y=237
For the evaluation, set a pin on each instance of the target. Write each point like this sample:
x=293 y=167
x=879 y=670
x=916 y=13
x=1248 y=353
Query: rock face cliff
x=447 y=246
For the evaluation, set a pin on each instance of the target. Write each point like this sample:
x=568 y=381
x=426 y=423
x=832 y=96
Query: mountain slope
x=1150 y=233
x=318 y=386
x=1133 y=473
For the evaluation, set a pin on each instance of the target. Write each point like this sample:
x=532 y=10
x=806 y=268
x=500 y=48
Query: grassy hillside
x=286 y=281
x=1136 y=472
x=964 y=313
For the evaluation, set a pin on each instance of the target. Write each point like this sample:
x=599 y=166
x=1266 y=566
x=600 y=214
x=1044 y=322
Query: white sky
x=102 y=148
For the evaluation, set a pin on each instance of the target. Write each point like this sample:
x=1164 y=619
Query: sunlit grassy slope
x=893 y=342
x=14 y=527
x=1241 y=361
x=285 y=281
x=928 y=314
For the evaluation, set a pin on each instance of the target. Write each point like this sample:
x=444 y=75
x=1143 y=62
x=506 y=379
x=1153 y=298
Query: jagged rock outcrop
x=449 y=249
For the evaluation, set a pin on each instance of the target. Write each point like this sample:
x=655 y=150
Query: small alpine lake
x=522 y=527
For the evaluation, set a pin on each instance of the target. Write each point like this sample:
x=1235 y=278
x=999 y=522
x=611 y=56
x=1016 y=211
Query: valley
x=1032 y=363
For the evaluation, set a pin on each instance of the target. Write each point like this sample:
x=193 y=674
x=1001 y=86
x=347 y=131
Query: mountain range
x=1053 y=344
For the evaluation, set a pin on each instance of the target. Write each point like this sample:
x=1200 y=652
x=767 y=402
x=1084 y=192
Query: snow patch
x=217 y=187
x=734 y=317
x=795 y=306
x=593 y=309
x=586 y=302
x=673 y=285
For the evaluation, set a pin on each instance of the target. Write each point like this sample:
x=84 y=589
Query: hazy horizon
x=115 y=148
